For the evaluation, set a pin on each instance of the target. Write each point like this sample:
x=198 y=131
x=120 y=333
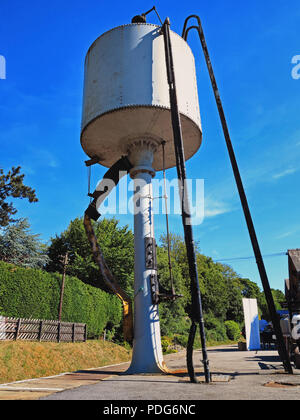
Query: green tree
x=237 y=289
x=215 y=293
x=173 y=317
x=179 y=257
x=116 y=244
x=278 y=297
x=249 y=290
x=219 y=285
x=11 y=185
x=222 y=289
x=19 y=246
x=233 y=330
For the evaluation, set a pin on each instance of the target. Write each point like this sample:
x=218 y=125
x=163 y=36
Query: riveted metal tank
x=126 y=94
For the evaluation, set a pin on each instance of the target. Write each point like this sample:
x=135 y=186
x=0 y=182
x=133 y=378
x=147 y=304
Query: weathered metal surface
x=150 y=253
x=154 y=285
x=124 y=101
x=292 y=289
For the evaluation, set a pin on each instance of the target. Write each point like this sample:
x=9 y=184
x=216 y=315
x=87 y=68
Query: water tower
x=126 y=112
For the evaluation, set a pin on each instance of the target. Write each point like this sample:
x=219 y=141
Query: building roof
x=294 y=255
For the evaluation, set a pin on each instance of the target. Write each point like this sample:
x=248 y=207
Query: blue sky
x=251 y=45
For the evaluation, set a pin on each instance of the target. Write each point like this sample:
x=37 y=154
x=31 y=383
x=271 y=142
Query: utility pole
x=64 y=261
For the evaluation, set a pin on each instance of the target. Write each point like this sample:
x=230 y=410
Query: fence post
x=58 y=332
x=40 y=330
x=18 y=328
x=73 y=333
x=85 y=333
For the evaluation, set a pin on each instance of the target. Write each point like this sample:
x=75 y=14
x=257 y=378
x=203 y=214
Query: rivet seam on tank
x=133 y=24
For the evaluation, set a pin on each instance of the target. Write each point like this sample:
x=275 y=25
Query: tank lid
x=139 y=19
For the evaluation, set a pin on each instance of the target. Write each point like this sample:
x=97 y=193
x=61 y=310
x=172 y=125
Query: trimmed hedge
x=33 y=293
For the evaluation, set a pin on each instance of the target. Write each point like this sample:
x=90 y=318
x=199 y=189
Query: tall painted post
x=147 y=351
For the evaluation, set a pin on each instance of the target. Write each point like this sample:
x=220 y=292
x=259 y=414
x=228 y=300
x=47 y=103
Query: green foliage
x=11 y=185
x=19 y=246
x=222 y=291
x=215 y=292
x=165 y=343
x=181 y=339
x=233 y=330
x=173 y=317
x=116 y=244
x=33 y=293
x=278 y=297
x=215 y=329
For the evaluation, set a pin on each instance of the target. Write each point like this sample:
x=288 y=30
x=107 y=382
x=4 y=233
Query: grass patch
x=25 y=360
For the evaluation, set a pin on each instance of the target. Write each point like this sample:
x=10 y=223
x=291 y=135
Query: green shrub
x=233 y=330
x=181 y=339
x=215 y=329
x=165 y=343
x=33 y=293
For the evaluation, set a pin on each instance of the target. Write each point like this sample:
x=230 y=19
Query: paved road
x=236 y=376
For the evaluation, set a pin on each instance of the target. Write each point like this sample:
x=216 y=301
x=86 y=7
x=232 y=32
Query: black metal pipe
x=282 y=350
x=167 y=223
x=121 y=167
x=197 y=314
x=189 y=352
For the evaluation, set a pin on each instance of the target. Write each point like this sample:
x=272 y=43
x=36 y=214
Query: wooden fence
x=41 y=330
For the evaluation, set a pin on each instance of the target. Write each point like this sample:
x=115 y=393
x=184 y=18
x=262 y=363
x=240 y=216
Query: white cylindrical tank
x=126 y=94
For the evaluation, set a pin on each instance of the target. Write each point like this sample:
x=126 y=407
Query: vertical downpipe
x=197 y=315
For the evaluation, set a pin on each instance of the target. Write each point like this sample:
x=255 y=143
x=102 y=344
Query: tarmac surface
x=236 y=375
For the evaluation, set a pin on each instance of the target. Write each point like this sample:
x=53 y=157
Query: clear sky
x=252 y=44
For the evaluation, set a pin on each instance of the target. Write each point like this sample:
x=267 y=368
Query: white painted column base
x=147 y=354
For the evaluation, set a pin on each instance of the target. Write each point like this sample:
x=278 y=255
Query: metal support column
x=147 y=354
x=197 y=315
x=282 y=350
